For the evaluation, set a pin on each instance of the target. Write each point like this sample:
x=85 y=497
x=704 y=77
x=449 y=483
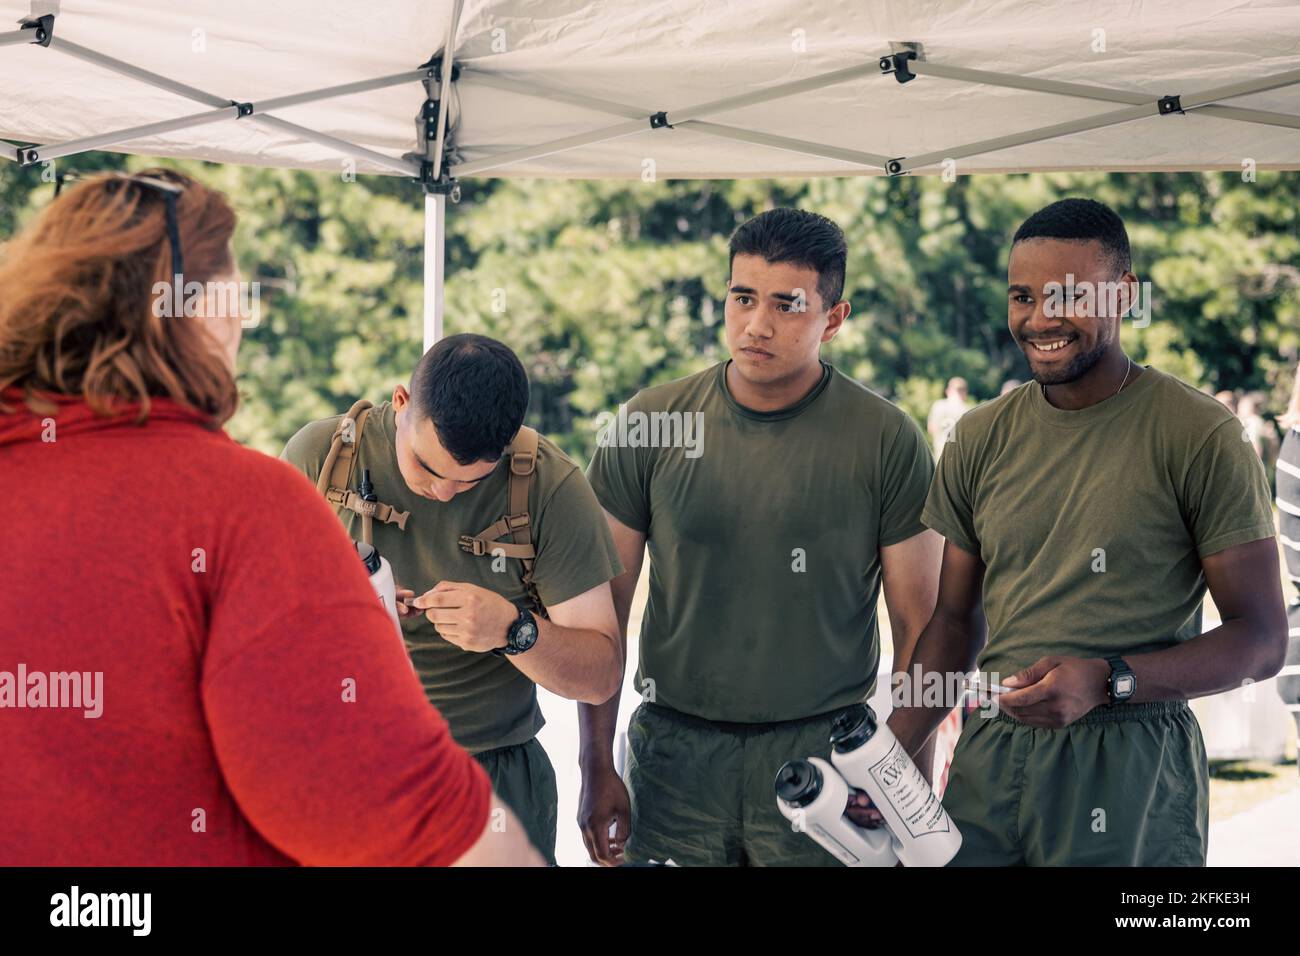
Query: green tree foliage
x=605 y=287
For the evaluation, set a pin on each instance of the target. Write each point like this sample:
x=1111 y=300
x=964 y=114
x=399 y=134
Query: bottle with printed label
x=381 y=577
x=870 y=758
x=812 y=796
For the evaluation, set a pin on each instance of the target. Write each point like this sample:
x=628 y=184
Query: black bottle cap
x=798 y=782
x=367 y=490
x=369 y=556
x=853 y=728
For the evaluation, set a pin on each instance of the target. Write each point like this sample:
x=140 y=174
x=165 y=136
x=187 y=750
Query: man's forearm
x=1222 y=659
x=596 y=725
x=597 y=722
x=944 y=647
x=577 y=663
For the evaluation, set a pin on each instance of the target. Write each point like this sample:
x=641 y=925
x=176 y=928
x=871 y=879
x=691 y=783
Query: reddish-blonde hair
x=76 y=299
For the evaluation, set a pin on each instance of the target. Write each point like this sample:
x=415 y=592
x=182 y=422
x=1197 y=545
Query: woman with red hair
x=194 y=668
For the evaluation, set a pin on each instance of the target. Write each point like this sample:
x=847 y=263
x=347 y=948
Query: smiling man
x=1086 y=512
x=768 y=544
x=436 y=451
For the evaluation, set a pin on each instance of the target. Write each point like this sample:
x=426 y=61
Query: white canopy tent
x=680 y=89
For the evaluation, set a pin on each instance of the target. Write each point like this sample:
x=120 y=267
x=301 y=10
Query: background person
x=1258 y=429
x=945 y=413
x=191 y=573
x=1228 y=399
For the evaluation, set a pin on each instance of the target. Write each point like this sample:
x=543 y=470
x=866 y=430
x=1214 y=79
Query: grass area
x=1237 y=785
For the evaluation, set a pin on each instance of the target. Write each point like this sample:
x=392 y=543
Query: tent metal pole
x=497 y=160
x=202 y=96
x=146 y=76
x=435 y=226
x=1243 y=115
x=905 y=165
x=1258 y=85
x=43 y=153
x=445 y=87
x=480 y=77
x=854 y=156
x=990 y=78
x=400 y=166
x=344 y=89
x=669 y=119
x=1089 y=92
x=10 y=151
x=15 y=37
x=437 y=184
x=780 y=91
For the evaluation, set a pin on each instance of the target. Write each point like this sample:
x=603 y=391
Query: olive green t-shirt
x=1092 y=523
x=485 y=699
x=764 y=542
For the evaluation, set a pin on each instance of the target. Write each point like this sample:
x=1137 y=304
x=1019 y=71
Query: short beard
x=1080 y=366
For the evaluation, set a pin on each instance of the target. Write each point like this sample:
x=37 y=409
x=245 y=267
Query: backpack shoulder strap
x=336 y=470
x=523 y=466
x=516 y=522
x=335 y=480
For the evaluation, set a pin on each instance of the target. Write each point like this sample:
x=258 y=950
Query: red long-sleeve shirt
x=257 y=704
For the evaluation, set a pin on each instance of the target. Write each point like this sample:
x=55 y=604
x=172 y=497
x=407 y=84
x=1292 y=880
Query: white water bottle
x=870 y=758
x=381 y=578
x=813 y=796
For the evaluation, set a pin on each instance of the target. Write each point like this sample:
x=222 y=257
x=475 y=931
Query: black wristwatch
x=1123 y=682
x=521 y=635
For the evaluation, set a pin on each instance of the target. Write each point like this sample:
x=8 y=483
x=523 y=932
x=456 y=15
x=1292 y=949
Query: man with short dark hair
x=436 y=451
x=770 y=529
x=1085 y=514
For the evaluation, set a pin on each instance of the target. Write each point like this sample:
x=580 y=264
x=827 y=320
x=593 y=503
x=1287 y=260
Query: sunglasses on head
x=171 y=193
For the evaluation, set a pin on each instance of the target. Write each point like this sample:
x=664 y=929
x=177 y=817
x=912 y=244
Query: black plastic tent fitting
x=896 y=63
x=895 y=166
x=660 y=120
x=434 y=69
x=1170 y=104
x=44 y=27
x=445 y=185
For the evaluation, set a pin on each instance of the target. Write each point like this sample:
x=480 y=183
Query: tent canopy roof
x=641 y=59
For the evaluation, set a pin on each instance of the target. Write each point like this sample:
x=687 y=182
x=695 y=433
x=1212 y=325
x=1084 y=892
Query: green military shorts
x=1125 y=785
x=703 y=791
x=524 y=779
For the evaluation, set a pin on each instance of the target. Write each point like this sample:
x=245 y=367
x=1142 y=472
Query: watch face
x=1124 y=686
x=523 y=635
